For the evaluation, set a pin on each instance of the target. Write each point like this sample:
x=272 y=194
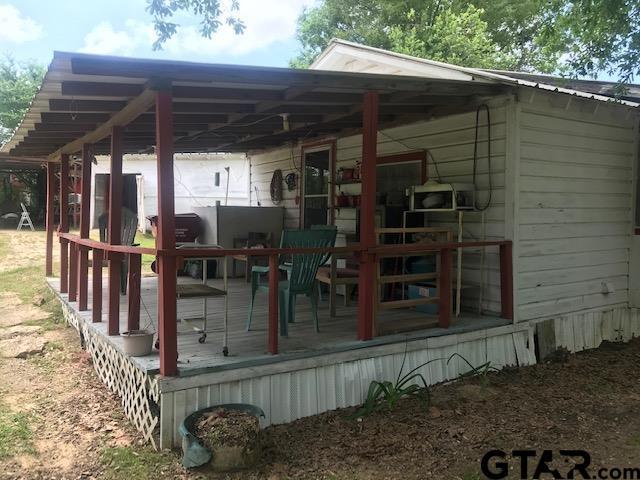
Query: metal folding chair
x=25 y=219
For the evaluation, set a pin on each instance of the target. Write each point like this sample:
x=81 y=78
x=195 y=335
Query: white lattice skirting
x=138 y=391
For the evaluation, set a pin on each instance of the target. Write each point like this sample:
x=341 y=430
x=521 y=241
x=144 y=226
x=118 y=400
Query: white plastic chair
x=25 y=219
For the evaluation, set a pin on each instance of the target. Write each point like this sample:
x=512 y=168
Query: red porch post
x=96 y=272
x=273 y=304
x=134 y=281
x=85 y=207
x=506 y=280
x=64 y=222
x=73 y=271
x=367 y=273
x=51 y=185
x=444 y=288
x=166 y=237
x=115 y=230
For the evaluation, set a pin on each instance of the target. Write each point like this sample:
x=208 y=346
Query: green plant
x=140 y=463
x=385 y=395
x=480 y=371
x=16 y=435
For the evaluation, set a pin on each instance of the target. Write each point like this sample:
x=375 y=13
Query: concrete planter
x=137 y=343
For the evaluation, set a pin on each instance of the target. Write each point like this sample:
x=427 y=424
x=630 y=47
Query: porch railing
x=78 y=277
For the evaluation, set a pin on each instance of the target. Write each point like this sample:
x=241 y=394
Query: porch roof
x=218 y=107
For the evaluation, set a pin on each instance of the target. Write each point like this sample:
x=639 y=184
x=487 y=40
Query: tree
x=460 y=38
x=18 y=84
x=489 y=33
x=596 y=36
x=210 y=13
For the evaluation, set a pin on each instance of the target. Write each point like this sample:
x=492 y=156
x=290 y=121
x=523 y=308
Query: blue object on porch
x=301 y=274
x=420 y=291
x=194 y=454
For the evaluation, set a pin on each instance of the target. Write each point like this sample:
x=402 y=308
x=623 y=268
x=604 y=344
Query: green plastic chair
x=301 y=274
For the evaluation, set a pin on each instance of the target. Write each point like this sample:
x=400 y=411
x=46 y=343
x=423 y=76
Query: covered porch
x=102 y=105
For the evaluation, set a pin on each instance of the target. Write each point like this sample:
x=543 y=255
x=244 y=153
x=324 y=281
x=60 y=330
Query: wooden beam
x=97 y=89
x=444 y=288
x=92 y=106
x=71 y=118
x=51 y=185
x=263 y=76
x=85 y=210
x=62 y=127
x=133 y=109
x=73 y=272
x=274 y=274
x=166 y=239
x=115 y=229
x=367 y=271
x=506 y=280
x=134 y=282
x=64 y=223
x=96 y=273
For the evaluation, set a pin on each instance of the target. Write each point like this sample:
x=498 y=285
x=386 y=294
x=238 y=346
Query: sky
x=33 y=29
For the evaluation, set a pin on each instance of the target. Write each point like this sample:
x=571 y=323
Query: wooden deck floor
x=250 y=348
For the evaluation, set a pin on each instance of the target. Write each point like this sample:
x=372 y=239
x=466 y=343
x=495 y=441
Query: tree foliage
x=571 y=37
x=596 y=36
x=18 y=84
x=210 y=13
x=481 y=33
x=460 y=38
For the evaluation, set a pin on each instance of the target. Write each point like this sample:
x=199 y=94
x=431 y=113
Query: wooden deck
x=247 y=349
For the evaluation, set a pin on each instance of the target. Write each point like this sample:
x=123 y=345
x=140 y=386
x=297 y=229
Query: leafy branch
x=210 y=13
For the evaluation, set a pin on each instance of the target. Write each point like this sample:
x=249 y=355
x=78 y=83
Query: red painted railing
x=115 y=252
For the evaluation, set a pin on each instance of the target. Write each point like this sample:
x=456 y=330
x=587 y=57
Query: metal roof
x=13 y=163
x=218 y=107
x=542 y=82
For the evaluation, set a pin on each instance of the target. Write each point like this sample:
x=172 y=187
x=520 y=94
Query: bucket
x=137 y=343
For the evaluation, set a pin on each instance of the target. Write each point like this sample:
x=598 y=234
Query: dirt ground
x=57 y=421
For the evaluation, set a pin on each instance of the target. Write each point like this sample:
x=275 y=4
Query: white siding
x=300 y=388
x=450 y=140
x=194 y=176
x=574 y=213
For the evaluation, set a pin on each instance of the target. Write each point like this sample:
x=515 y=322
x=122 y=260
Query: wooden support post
x=115 y=230
x=51 y=185
x=367 y=272
x=506 y=280
x=64 y=223
x=273 y=304
x=85 y=207
x=134 y=281
x=166 y=237
x=444 y=288
x=73 y=271
x=96 y=307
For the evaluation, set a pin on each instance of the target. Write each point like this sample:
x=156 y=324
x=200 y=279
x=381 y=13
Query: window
x=316 y=173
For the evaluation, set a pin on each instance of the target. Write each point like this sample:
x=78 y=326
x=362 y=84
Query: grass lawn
x=144 y=240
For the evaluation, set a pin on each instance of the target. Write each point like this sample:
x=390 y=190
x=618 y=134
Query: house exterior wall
x=450 y=140
x=574 y=204
x=194 y=179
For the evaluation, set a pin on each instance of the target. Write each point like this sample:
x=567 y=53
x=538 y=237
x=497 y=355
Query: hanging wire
x=475 y=158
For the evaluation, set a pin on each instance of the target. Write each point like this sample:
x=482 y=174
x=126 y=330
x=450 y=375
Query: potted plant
x=226 y=435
